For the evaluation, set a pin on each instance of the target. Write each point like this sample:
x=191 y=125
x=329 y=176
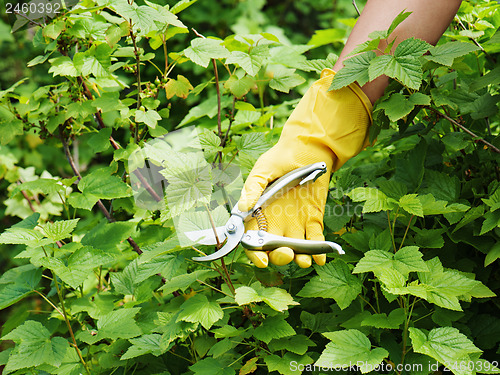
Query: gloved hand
x=326 y=126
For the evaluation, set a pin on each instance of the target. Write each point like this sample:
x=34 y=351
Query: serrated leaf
x=350 y=347
x=446 y=345
x=273 y=327
x=182 y=282
x=355 y=70
x=445 y=54
x=407 y=259
x=41 y=185
x=144 y=345
x=202 y=50
x=335 y=281
x=211 y=366
x=181 y=5
x=199 y=309
x=326 y=36
x=375 y=200
x=411 y=204
x=179 y=87
x=17 y=283
x=277 y=298
x=393 y=321
x=396 y=107
x=63 y=66
x=142 y=17
x=107 y=236
x=289 y=364
x=103 y=185
x=34 y=347
x=285 y=79
x=492 y=220
x=239 y=87
x=403 y=65
x=249 y=366
x=493 y=254
x=445 y=286
x=297 y=344
x=95 y=61
x=250 y=62
x=118 y=324
x=59 y=230
x=430 y=206
x=189 y=182
x=150 y=117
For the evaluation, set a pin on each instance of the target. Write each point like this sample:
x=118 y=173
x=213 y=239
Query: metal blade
x=207 y=236
x=233 y=240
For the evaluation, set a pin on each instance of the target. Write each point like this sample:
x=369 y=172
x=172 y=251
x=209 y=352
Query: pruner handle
x=260 y=240
x=278 y=188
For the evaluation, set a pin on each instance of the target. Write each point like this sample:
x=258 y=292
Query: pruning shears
x=233 y=233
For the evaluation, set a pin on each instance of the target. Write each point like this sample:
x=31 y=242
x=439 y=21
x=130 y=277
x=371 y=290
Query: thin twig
x=101 y=206
x=495 y=149
x=356 y=7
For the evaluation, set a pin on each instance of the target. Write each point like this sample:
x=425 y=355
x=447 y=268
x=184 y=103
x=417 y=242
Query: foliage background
x=417 y=213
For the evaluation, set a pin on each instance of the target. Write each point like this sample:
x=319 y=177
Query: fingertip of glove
x=303 y=260
x=319 y=259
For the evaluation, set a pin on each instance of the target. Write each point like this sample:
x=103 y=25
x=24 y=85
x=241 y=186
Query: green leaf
x=144 y=345
x=107 y=236
x=446 y=345
x=250 y=62
x=80 y=265
x=103 y=185
x=289 y=364
x=493 y=254
x=143 y=17
x=34 y=347
x=297 y=344
x=239 y=87
x=273 y=327
x=202 y=50
x=446 y=53
x=210 y=142
x=411 y=204
x=326 y=36
x=375 y=200
x=404 y=65
x=350 y=347
x=407 y=259
x=211 y=366
x=285 y=79
x=492 y=220
x=335 y=281
x=393 y=321
x=429 y=238
x=17 y=283
x=445 y=286
x=150 y=117
x=182 y=282
x=430 y=206
x=41 y=185
x=277 y=298
x=95 y=61
x=490 y=78
x=11 y=127
x=118 y=324
x=317 y=65
x=179 y=87
x=99 y=141
x=396 y=107
x=181 y=5
x=199 y=309
x=59 y=230
x=189 y=182
x=355 y=69
x=493 y=202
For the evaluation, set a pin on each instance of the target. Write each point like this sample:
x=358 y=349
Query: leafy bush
x=94 y=283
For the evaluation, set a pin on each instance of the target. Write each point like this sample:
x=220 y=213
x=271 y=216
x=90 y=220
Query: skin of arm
x=428 y=21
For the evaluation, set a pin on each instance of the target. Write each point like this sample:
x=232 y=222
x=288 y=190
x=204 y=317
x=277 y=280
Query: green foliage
x=94 y=279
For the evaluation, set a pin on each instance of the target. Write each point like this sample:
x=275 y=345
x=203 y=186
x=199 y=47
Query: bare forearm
x=428 y=21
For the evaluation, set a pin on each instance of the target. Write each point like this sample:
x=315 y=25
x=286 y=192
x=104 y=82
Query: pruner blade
x=234 y=231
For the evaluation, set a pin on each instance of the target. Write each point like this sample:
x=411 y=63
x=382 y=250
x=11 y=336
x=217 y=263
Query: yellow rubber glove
x=326 y=126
